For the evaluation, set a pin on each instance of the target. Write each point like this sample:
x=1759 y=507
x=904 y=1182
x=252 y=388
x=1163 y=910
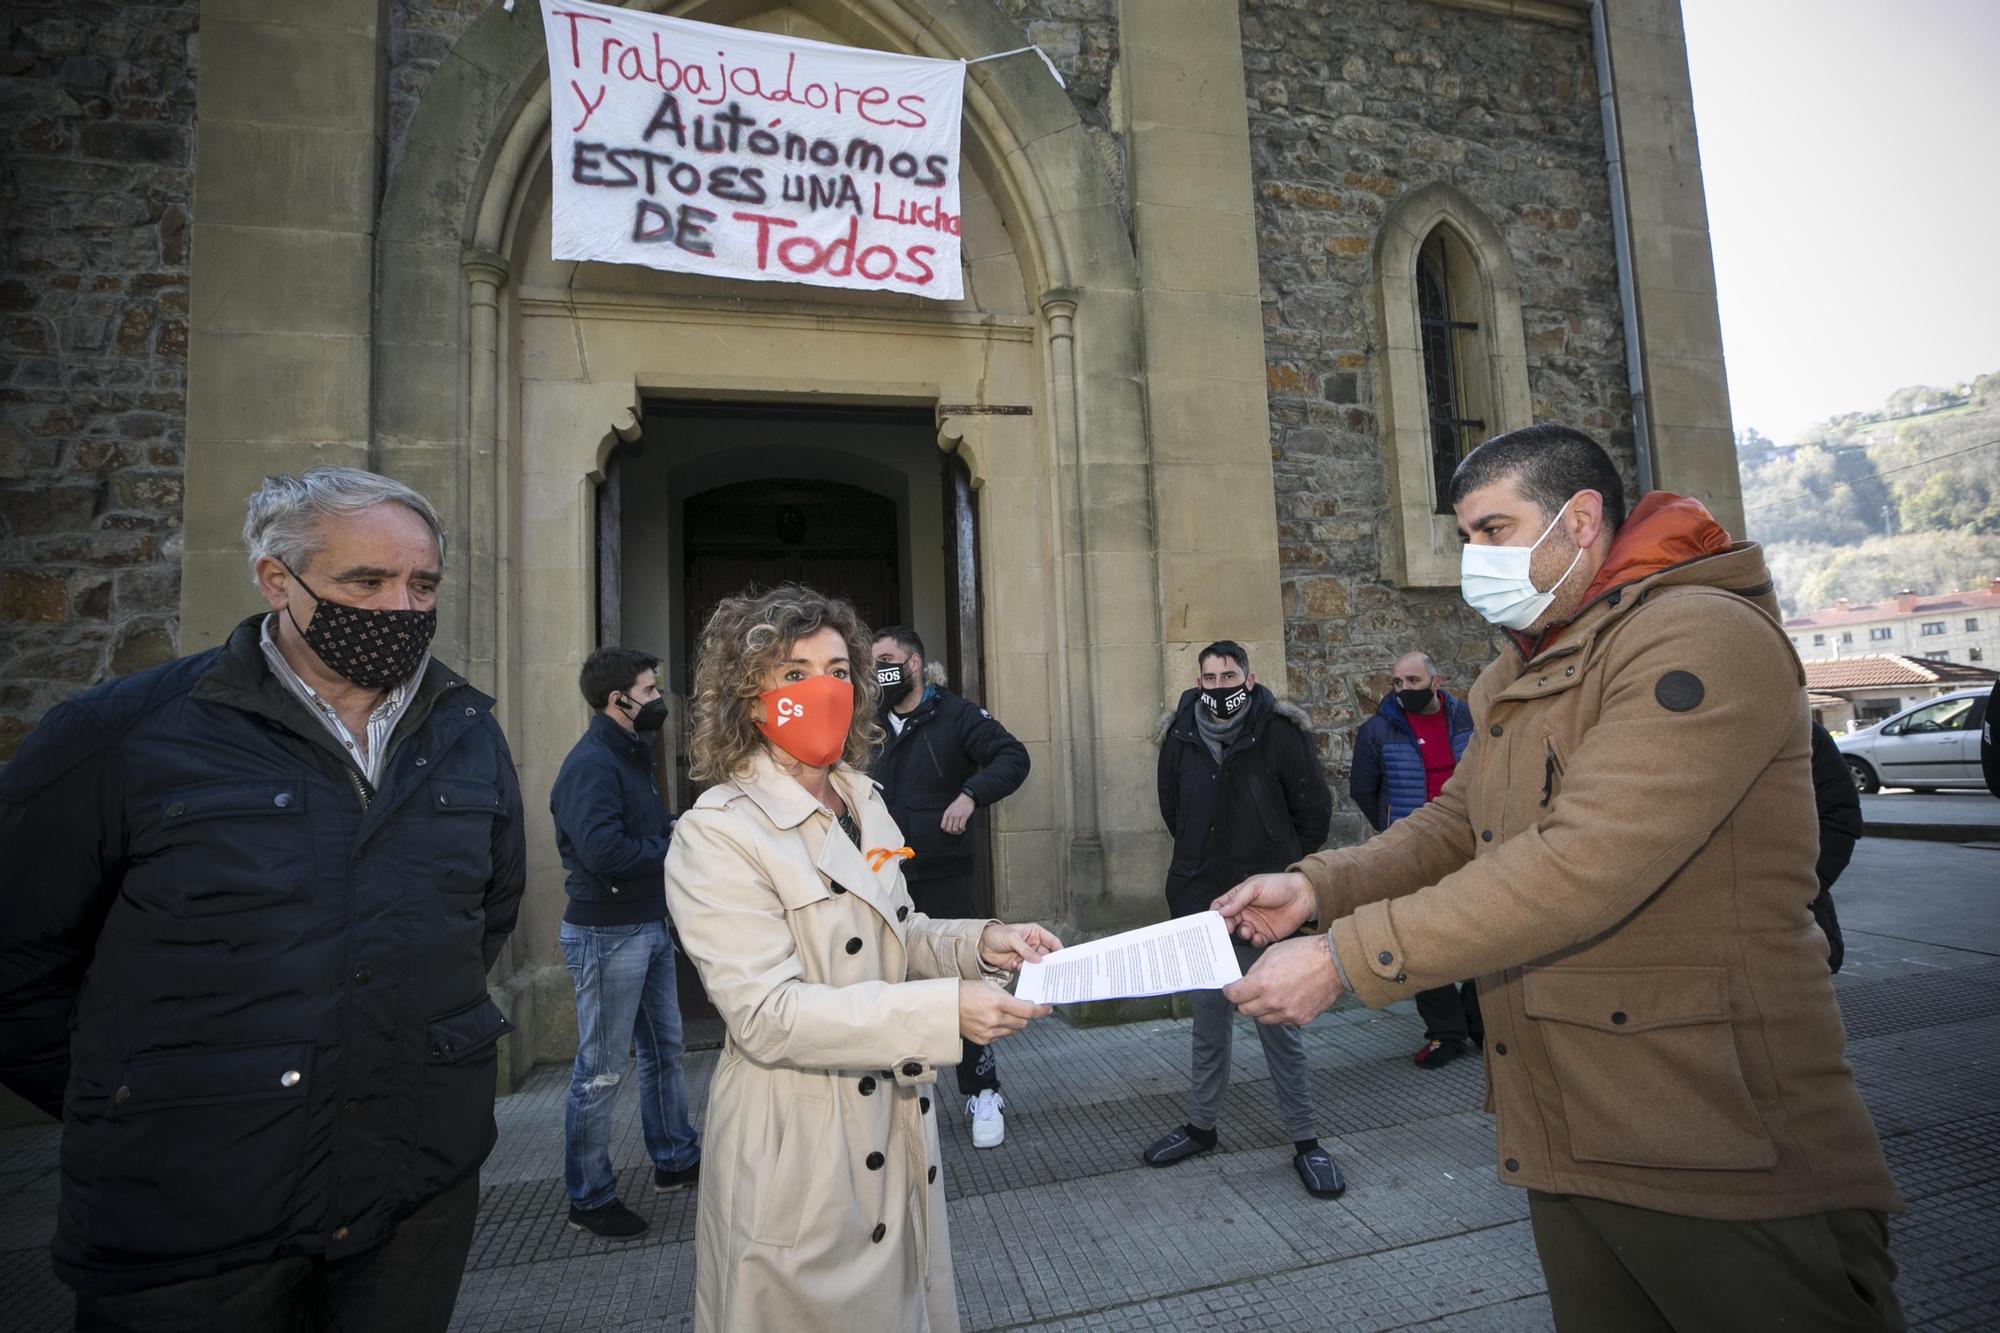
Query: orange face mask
x=809 y=720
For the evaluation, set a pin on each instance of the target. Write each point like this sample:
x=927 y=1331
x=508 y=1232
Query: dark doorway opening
x=718 y=497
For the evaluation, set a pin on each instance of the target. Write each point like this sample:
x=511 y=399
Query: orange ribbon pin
x=881 y=856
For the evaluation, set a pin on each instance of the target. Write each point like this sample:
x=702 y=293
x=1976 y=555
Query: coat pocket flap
x=228 y=1074
x=1617 y=999
x=467 y=1032
x=464 y=794
x=238 y=796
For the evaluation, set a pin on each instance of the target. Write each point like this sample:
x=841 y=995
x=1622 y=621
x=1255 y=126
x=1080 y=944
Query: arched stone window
x=1453 y=368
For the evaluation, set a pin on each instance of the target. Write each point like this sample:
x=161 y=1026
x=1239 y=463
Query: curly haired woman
x=822 y=1205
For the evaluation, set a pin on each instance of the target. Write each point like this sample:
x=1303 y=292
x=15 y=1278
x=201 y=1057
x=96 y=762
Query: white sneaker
x=989 y=1127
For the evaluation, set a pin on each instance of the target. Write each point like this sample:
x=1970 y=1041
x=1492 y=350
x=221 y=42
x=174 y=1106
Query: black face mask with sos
x=895 y=680
x=1225 y=700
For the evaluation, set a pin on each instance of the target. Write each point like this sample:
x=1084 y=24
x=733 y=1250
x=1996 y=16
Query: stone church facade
x=1213 y=288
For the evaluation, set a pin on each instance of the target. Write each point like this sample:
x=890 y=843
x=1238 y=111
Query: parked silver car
x=1935 y=744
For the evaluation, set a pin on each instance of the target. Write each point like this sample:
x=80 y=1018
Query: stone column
x=482 y=582
x=1673 y=267
x=288 y=146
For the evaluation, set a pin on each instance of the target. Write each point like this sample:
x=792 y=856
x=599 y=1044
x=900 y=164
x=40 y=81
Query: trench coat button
x=363 y=977
x=879 y=1232
x=875 y=1160
x=350 y=1108
x=931 y=1179
x=1486 y=835
x=289 y=1079
x=867 y=1087
x=912 y=1069
x=1500 y=1048
x=902 y=913
x=923 y=1106
x=122 y=1096
x=1513 y=1165
x=854 y=945
x=340 y=1234
x=282 y=799
x=470 y=711
x=421 y=761
x=176 y=810
x=1495 y=729
x=1385 y=958
x=1618 y=1017
x=443 y=799
x=1569 y=671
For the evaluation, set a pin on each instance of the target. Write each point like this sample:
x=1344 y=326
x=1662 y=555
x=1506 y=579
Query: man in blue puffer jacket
x=1402 y=758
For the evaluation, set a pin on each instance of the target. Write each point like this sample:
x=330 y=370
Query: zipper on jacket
x=360 y=787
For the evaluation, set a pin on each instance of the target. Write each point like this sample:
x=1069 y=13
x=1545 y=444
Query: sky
x=1851 y=154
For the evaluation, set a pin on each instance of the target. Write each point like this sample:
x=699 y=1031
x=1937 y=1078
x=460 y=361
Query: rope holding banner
x=1054 y=73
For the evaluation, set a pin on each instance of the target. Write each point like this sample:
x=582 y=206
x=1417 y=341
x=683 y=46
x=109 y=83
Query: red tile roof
x=1858 y=673
x=1981 y=599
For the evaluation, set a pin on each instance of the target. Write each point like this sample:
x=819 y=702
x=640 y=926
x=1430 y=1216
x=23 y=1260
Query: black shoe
x=614 y=1221
x=1438 y=1054
x=1177 y=1146
x=1322 y=1178
x=666 y=1182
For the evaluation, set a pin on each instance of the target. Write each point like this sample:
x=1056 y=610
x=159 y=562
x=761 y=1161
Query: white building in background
x=1958 y=627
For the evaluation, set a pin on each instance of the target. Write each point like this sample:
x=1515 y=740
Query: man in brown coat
x=1624 y=858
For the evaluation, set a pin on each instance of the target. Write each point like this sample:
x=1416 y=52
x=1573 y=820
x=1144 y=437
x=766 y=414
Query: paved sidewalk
x=1944 y=816
x=1063 y=1229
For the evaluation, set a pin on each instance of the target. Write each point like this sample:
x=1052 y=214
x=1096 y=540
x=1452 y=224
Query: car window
x=1948 y=715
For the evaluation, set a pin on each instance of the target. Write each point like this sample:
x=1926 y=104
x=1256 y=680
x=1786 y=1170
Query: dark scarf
x=1219 y=733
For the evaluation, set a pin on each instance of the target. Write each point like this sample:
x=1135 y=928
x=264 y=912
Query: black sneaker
x=614 y=1221
x=1176 y=1146
x=1322 y=1178
x=666 y=1182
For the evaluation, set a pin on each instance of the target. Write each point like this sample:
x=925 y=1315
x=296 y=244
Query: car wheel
x=1864 y=776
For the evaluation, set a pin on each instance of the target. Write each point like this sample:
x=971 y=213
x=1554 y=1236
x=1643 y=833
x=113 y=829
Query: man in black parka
x=943 y=759
x=249 y=904
x=1242 y=791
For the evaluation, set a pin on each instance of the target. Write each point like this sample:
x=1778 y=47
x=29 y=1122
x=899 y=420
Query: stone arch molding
x=1423 y=547
x=441 y=275
x=446 y=402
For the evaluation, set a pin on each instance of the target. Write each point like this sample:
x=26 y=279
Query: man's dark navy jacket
x=948 y=747
x=611 y=829
x=253 y=987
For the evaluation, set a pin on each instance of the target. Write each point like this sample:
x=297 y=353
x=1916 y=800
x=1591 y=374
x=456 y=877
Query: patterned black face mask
x=373 y=649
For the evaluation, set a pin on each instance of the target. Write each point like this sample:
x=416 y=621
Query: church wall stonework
x=1353 y=104
x=97 y=105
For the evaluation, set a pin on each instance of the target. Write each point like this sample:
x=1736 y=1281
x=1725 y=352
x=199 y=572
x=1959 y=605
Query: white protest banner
x=737 y=154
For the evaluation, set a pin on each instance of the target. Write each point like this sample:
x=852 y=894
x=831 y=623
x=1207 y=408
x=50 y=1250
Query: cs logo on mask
x=790 y=710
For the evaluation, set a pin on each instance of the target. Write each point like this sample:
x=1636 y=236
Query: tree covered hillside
x=1907 y=496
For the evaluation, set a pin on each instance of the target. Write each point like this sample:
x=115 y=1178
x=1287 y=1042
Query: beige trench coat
x=821 y=1205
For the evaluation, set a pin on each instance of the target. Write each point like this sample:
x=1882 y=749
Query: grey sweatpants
x=1284 y=1055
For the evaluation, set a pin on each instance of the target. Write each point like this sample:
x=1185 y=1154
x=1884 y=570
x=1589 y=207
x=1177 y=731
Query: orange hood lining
x=1663 y=530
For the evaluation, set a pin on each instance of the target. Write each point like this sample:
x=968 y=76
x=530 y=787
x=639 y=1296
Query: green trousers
x=1619 y=1269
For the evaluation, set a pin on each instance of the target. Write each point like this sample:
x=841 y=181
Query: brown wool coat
x=820 y=1205
x=1624 y=859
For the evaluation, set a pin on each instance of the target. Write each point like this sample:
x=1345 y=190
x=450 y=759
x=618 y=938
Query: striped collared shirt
x=367 y=750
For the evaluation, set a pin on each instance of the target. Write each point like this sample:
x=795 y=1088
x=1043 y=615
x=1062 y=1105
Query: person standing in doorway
x=612 y=832
x=1242 y=792
x=943 y=759
x=1402 y=759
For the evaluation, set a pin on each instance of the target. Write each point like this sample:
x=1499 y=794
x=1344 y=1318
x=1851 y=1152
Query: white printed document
x=1192 y=953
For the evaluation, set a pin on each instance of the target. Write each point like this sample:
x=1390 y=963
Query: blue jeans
x=625 y=999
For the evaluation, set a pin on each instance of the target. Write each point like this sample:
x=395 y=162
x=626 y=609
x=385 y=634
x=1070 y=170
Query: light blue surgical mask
x=1495 y=580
